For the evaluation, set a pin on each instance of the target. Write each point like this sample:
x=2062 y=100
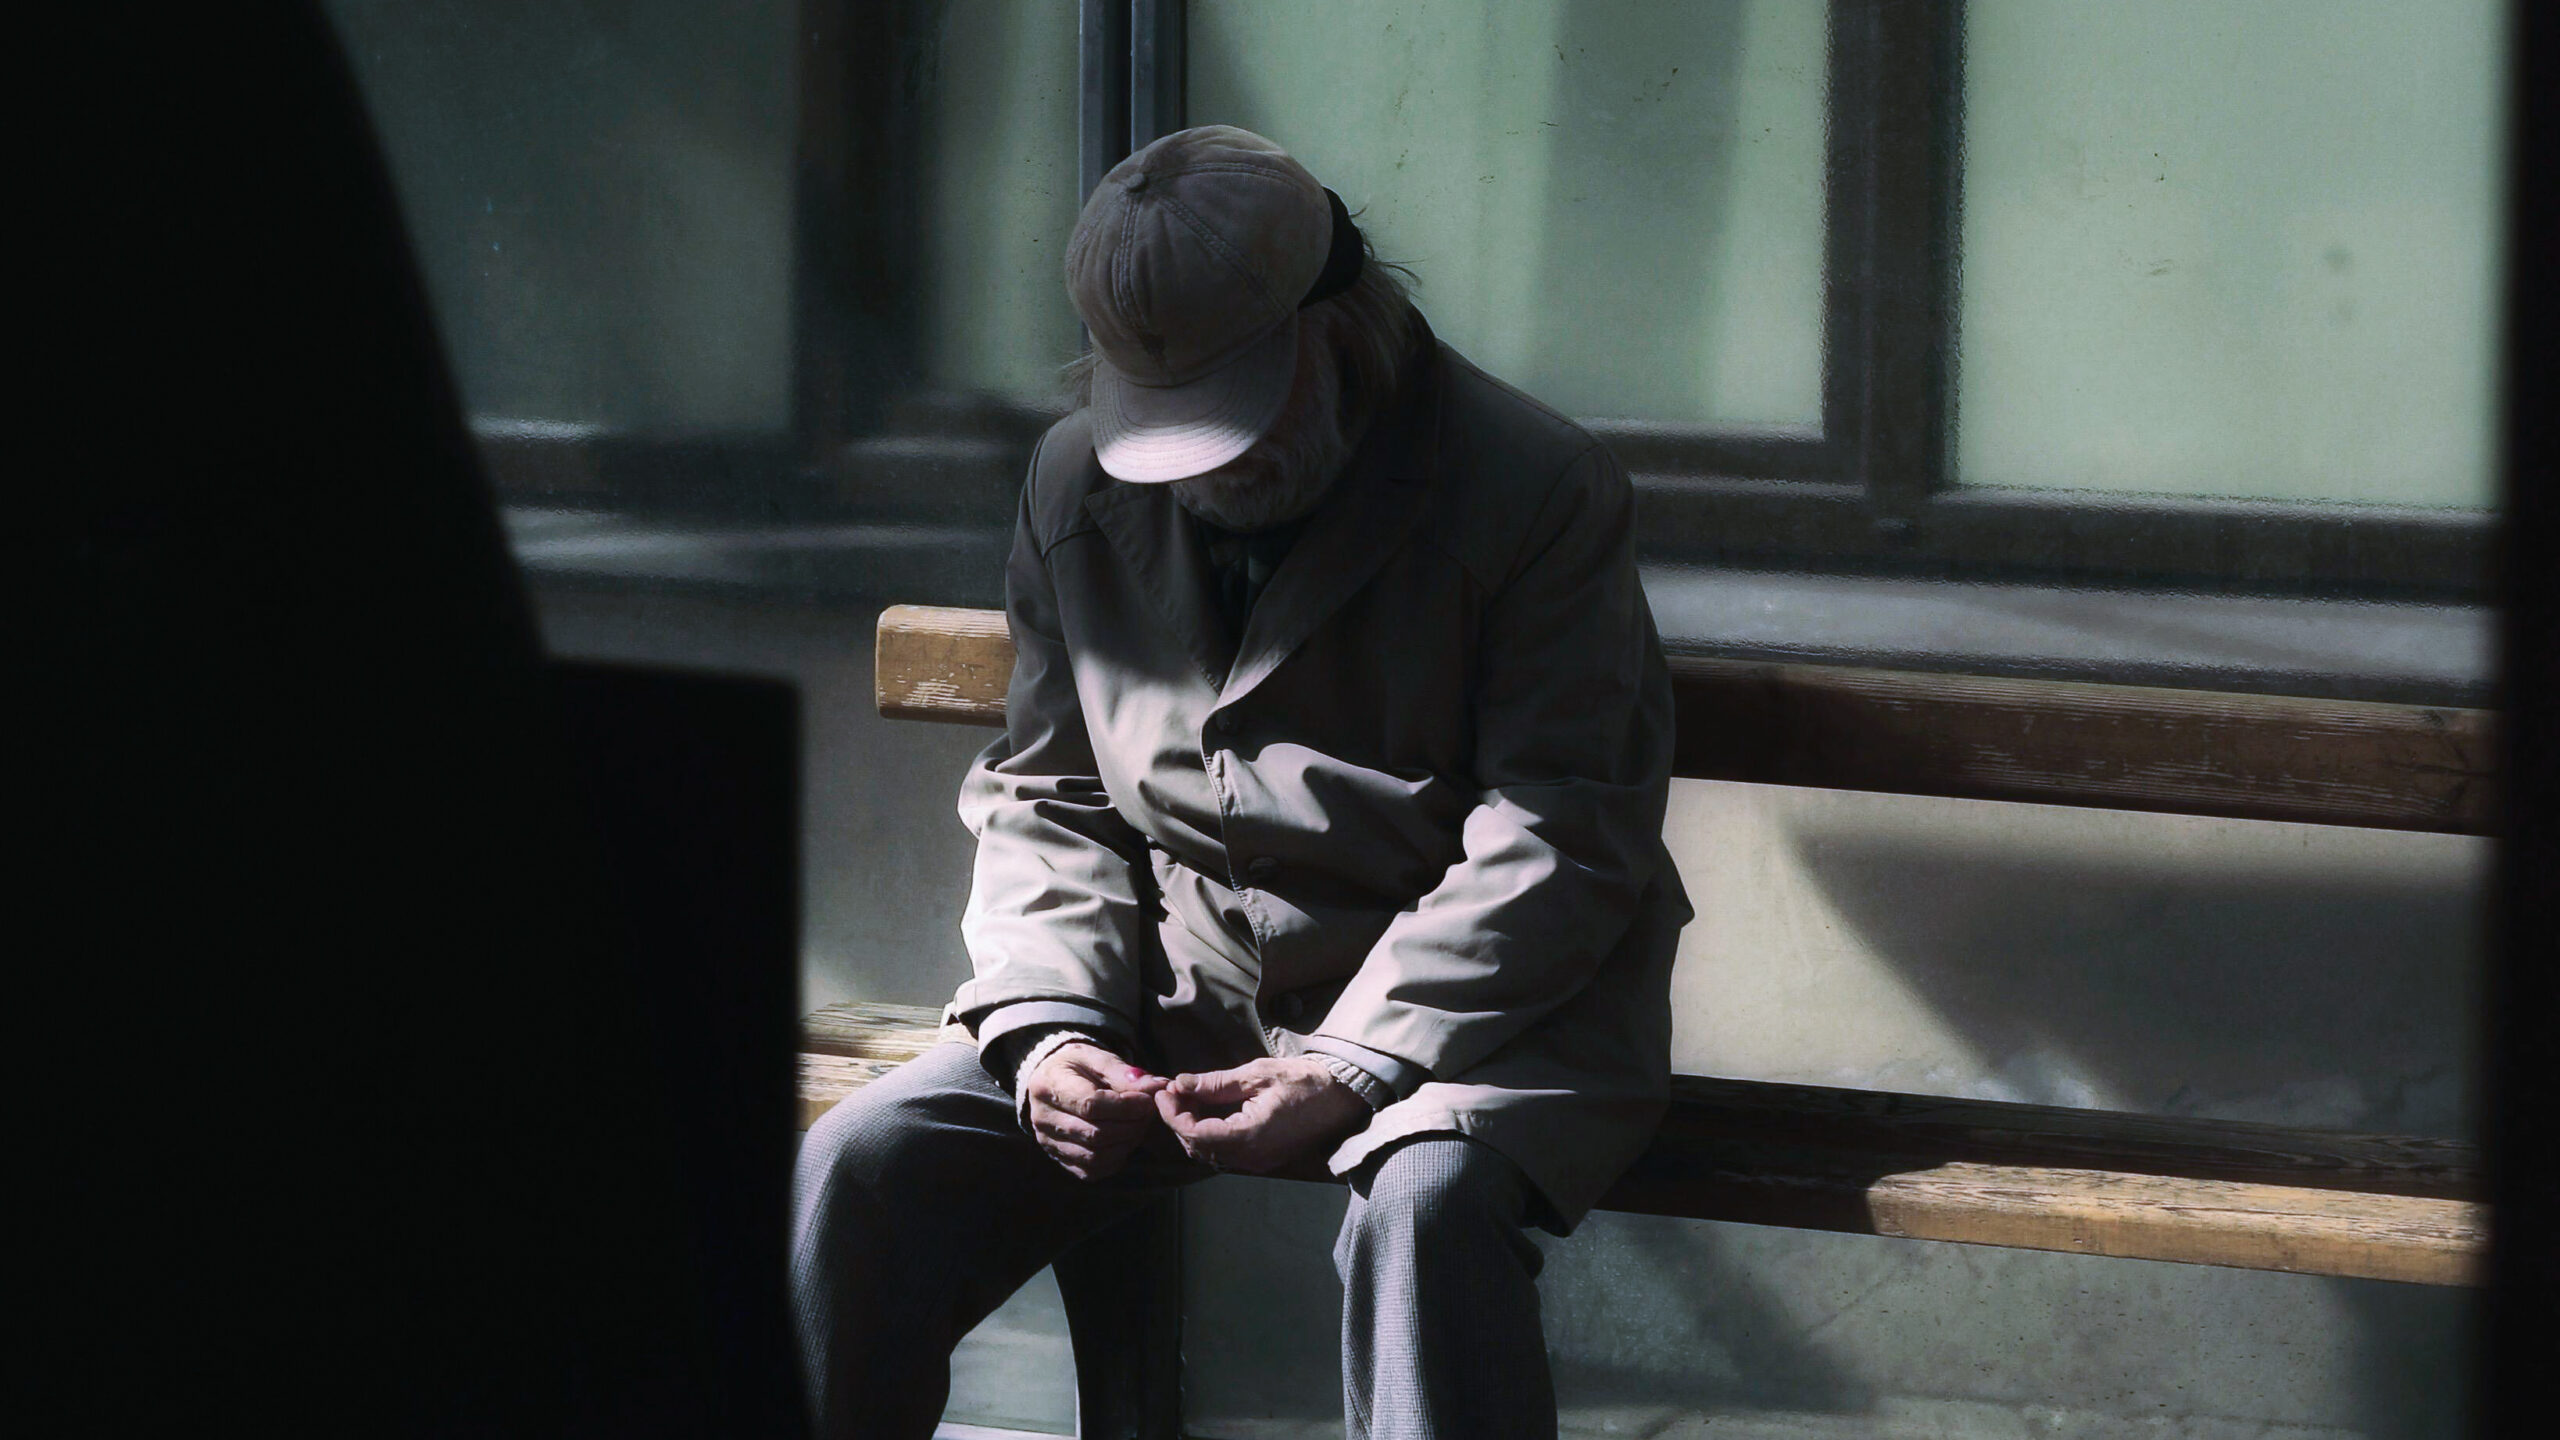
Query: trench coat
x=1419 y=811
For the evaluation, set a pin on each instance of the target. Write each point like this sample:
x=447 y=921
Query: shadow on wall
x=2155 y=981
x=2147 y=981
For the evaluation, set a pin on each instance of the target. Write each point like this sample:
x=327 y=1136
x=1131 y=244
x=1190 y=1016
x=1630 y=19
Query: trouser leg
x=1440 y=1329
x=919 y=1206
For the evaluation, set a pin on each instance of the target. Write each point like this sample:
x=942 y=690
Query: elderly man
x=1325 y=829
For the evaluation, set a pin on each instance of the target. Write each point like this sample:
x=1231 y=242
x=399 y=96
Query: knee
x=870 y=1140
x=854 y=1127
x=1435 y=1187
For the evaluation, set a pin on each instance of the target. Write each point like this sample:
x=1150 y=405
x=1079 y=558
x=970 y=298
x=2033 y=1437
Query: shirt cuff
x=1389 y=1079
x=1005 y=1019
x=1006 y=1033
x=1035 y=1057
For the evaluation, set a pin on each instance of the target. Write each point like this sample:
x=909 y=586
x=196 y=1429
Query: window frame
x=1876 y=493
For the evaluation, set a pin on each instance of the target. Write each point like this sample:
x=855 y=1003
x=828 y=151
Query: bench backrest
x=2054 y=742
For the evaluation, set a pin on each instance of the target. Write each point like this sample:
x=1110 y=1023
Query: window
x=1622 y=207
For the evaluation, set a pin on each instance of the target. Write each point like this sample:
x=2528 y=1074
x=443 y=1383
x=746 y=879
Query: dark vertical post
x=1102 y=64
x=1156 y=63
x=1896 y=104
x=857 y=197
x=2517 y=1363
x=1122 y=1288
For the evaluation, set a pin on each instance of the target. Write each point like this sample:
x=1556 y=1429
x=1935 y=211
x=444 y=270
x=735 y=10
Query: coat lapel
x=1162 y=550
x=1366 y=519
x=1382 y=495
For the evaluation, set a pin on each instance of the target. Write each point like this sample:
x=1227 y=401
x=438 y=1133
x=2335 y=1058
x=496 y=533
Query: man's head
x=1242 y=332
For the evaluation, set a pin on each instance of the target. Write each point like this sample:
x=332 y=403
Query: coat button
x=1262 y=868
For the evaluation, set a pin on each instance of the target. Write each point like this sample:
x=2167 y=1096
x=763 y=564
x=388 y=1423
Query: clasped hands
x=1090 y=1110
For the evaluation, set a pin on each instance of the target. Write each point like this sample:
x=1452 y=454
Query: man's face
x=1289 y=469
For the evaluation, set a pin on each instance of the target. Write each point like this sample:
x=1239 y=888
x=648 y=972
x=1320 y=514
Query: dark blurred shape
x=421 y=1059
x=2524 y=988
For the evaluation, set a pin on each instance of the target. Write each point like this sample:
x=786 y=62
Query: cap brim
x=1155 y=433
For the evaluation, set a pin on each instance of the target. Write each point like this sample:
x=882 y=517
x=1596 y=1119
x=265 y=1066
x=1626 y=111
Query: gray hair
x=1371 y=326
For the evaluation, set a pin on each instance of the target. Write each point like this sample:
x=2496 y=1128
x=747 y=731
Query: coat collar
x=1162 y=551
x=1382 y=495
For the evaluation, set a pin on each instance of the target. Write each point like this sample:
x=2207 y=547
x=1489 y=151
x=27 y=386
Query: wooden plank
x=1708 y=1111
x=2417 y=1239
x=845 y=1047
x=934 y=662
x=2197 y=1222
x=827 y=1079
x=2128 y=747
x=1975 y=1172
x=882 y=1032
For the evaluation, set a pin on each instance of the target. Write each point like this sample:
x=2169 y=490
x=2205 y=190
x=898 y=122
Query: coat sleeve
x=1572 y=717
x=1057 y=915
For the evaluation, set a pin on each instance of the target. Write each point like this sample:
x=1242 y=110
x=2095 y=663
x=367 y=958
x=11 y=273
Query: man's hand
x=1090 y=1108
x=1261 y=1115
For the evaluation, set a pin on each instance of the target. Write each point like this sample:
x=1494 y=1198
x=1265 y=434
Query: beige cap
x=1189 y=265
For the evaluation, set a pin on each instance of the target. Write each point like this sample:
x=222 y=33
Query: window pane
x=2240 y=250
x=1004 y=197
x=1617 y=207
x=602 y=209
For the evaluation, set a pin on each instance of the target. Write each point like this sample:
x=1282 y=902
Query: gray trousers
x=921 y=1205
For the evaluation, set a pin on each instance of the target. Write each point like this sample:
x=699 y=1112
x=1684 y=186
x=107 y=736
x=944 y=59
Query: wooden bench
x=2027 y=1176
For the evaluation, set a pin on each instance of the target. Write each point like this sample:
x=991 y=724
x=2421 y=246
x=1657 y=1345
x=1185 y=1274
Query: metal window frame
x=1875 y=492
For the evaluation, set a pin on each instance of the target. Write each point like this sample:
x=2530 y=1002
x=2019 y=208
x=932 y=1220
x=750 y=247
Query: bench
x=1926 y=1168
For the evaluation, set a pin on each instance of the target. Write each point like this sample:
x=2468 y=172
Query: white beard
x=1288 y=470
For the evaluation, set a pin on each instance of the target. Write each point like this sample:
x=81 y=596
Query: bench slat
x=1975 y=1172
x=2419 y=1239
x=1709 y=1111
x=2127 y=747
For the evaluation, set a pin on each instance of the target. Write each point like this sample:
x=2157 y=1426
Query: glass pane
x=602 y=206
x=1004 y=190
x=2239 y=250
x=1617 y=207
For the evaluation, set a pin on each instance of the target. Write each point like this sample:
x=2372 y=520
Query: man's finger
x=1059 y=1125
x=1124 y=1136
x=1110 y=1072
x=1130 y=1077
x=1213 y=1131
x=1122 y=1105
x=1214 y=1087
x=1067 y=1153
x=1107 y=1071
